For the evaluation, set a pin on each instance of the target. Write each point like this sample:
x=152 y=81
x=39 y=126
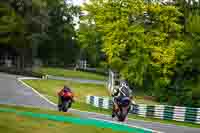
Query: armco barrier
x=182 y=114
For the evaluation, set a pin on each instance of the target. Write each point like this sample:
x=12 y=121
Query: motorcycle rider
x=61 y=94
x=118 y=93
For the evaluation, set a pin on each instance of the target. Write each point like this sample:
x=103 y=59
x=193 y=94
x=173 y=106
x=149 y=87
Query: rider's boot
x=113 y=111
x=115 y=108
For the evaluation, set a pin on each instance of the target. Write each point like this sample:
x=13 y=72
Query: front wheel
x=60 y=107
x=66 y=105
x=122 y=114
x=122 y=117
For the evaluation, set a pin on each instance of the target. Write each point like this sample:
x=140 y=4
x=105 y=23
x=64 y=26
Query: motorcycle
x=124 y=106
x=66 y=100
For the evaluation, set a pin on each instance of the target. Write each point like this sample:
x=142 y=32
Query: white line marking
x=121 y=123
x=42 y=96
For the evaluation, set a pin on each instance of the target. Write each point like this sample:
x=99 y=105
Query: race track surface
x=13 y=92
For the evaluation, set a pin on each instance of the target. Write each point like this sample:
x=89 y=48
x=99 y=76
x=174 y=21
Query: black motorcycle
x=124 y=106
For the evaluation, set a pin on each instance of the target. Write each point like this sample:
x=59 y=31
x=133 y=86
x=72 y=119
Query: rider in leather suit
x=119 y=93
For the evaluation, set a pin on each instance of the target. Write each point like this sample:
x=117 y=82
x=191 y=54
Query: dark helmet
x=65 y=89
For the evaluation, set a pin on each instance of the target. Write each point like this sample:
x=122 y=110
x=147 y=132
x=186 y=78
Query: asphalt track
x=14 y=92
x=77 y=80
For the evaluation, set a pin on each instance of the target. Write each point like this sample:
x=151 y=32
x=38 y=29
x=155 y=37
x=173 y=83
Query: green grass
x=142 y=98
x=139 y=98
x=12 y=123
x=70 y=73
x=50 y=88
x=34 y=109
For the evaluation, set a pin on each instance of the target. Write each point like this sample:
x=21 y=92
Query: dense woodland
x=43 y=28
x=154 y=45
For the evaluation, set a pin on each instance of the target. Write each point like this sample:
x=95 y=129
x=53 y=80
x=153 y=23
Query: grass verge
x=70 y=73
x=12 y=123
x=50 y=88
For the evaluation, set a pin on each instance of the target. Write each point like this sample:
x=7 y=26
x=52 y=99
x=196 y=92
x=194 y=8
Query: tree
x=43 y=25
x=147 y=49
x=90 y=43
x=61 y=48
x=186 y=78
x=130 y=47
x=12 y=26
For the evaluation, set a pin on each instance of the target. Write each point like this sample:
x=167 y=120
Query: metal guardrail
x=165 y=112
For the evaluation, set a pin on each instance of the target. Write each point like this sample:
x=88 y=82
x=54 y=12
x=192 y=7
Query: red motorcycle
x=65 y=100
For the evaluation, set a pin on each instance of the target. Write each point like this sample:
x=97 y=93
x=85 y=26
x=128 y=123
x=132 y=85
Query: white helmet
x=124 y=83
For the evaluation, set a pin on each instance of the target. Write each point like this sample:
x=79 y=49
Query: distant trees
x=147 y=44
x=40 y=29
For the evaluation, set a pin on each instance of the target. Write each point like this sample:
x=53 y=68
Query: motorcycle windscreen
x=125 y=101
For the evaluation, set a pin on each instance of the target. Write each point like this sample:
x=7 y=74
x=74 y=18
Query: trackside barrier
x=165 y=112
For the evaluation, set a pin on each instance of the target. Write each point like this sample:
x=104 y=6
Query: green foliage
x=41 y=28
x=186 y=77
x=193 y=26
x=59 y=35
x=90 y=43
x=12 y=27
x=155 y=47
x=125 y=41
x=150 y=50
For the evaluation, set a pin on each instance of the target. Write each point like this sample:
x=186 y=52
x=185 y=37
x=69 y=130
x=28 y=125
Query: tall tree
x=60 y=45
x=147 y=49
x=90 y=43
